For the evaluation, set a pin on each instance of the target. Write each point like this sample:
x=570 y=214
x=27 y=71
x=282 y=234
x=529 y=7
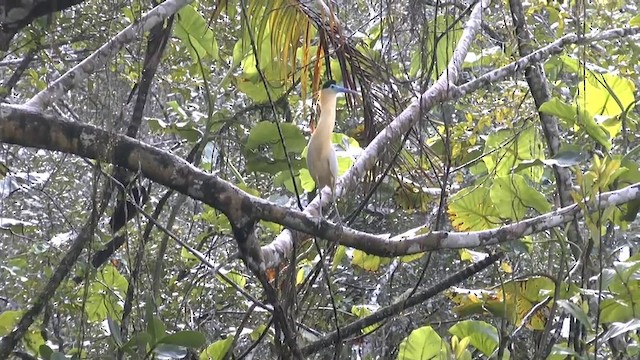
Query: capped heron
x=321 y=157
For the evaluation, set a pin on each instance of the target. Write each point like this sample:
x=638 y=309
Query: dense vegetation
x=155 y=201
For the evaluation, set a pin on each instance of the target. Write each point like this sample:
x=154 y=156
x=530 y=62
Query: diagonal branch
x=23 y=127
x=443 y=90
x=400 y=305
x=437 y=93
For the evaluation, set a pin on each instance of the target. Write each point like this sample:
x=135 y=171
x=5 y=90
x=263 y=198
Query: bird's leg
x=320 y=208
x=335 y=206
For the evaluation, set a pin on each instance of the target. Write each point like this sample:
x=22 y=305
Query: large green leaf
x=606 y=94
x=186 y=338
x=578 y=115
x=218 y=350
x=105 y=295
x=507 y=148
x=587 y=121
x=512 y=196
x=472 y=209
x=483 y=336
x=265 y=152
x=559 y=108
x=196 y=35
x=423 y=344
x=441 y=44
x=265 y=133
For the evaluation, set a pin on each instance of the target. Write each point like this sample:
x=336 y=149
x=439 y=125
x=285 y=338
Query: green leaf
x=265 y=133
x=562 y=352
x=471 y=209
x=138 y=341
x=362 y=311
x=254 y=88
x=33 y=340
x=239 y=52
x=265 y=152
x=617 y=310
x=611 y=124
x=257 y=332
x=443 y=43
x=341 y=252
x=586 y=121
x=558 y=108
x=186 y=338
x=114 y=329
x=235 y=276
x=482 y=336
x=366 y=261
x=568 y=157
x=307 y=182
x=412 y=257
x=416 y=64
x=507 y=148
x=156 y=329
x=58 y=356
x=635 y=21
x=284 y=178
x=512 y=196
x=423 y=344
x=218 y=350
x=196 y=35
x=304 y=268
x=45 y=352
x=606 y=94
x=577 y=312
x=105 y=295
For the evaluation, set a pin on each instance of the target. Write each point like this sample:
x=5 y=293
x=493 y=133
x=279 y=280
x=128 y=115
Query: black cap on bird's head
x=331 y=85
x=328 y=84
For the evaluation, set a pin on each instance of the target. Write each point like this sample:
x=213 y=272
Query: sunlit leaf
x=8 y=320
x=235 y=276
x=196 y=35
x=606 y=94
x=366 y=261
x=362 y=311
x=472 y=209
x=482 y=336
x=507 y=148
x=423 y=344
x=218 y=350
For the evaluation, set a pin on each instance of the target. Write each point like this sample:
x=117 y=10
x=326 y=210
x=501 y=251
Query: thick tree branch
x=22 y=126
x=443 y=90
x=15 y=15
x=280 y=248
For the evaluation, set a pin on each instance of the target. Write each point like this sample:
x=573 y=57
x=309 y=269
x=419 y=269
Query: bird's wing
x=333 y=167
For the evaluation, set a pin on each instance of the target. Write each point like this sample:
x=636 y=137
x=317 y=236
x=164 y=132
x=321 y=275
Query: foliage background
x=232 y=70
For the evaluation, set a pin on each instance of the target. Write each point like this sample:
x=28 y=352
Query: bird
x=321 y=157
